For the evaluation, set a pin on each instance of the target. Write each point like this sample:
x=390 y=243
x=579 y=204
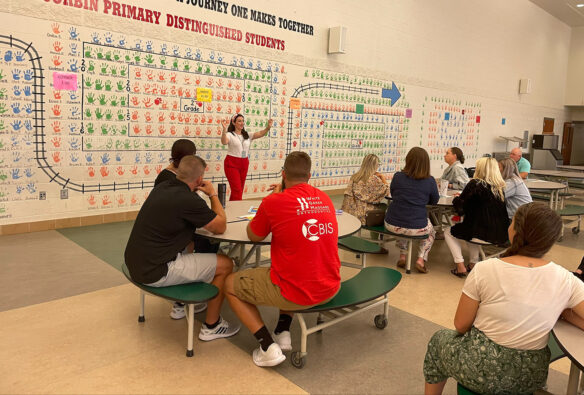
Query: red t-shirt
x=305 y=256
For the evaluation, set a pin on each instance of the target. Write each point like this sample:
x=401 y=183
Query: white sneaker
x=223 y=329
x=271 y=357
x=284 y=340
x=178 y=310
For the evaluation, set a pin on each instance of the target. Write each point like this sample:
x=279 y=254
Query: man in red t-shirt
x=305 y=259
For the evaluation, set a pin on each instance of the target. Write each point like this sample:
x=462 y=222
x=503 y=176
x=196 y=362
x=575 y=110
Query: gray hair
x=510 y=169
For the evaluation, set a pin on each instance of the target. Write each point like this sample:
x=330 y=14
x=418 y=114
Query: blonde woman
x=482 y=203
x=366 y=189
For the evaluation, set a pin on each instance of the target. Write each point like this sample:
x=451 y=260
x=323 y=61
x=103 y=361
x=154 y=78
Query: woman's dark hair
x=458 y=152
x=231 y=127
x=417 y=164
x=537 y=227
x=180 y=148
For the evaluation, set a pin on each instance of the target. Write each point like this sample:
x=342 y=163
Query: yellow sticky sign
x=204 y=94
x=294 y=103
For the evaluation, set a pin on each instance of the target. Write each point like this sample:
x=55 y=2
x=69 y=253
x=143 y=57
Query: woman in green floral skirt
x=507 y=308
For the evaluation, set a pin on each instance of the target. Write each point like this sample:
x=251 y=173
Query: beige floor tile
x=92 y=343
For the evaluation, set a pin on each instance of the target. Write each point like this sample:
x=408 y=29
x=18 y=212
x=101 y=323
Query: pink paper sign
x=408 y=112
x=64 y=81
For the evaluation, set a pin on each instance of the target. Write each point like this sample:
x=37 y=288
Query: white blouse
x=238 y=146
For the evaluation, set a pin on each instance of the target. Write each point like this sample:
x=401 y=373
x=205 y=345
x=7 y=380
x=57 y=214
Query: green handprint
x=128 y=57
x=88 y=82
x=122 y=101
x=124 y=130
x=121 y=115
x=123 y=71
x=116 y=56
x=98 y=85
x=108 y=56
x=90 y=128
x=175 y=64
x=90 y=98
x=127 y=144
x=120 y=86
x=87 y=113
x=207 y=69
x=102 y=100
x=109 y=144
x=149 y=58
x=2 y=93
x=91 y=67
x=187 y=66
x=163 y=60
x=103 y=68
x=104 y=130
x=88 y=145
x=98 y=114
x=108 y=115
x=3 y=176
x=2 y=127
x=88 y=53
x=137 y=58
x=114 y=101
x=108 y=85
x=114 y=71
x=3 y=108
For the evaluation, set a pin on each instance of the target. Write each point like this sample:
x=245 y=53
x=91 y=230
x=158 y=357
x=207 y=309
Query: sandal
x=401 y=263
x=421 y=269
x=468 y=268
x=457 y=274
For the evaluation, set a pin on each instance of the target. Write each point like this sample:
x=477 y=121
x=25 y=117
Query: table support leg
x=573 y=379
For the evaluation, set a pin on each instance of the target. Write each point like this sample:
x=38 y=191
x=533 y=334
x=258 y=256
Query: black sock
x=212 y=326
x=283 y=323
x=264 y=338
x=180 y=304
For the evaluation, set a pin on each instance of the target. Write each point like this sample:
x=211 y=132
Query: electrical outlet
x=64 y=194
x=42 y=196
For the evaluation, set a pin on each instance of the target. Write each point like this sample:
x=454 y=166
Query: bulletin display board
x=88 y=117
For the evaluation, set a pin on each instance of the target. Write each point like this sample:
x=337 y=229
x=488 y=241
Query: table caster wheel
x=297 y=360
x=380 y=321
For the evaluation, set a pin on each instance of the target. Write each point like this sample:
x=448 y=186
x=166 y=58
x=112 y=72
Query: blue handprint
x=8 y=56
x=109 y=39
x=161 y=157
x=14 y=141
x=15 y=108
x=28 y=108
x=137 y=159
x=73 y=33
x=89 y=158
x=118 y=157
x=27 y=91
x=16 y=74
x=28 y=74
x=105 y=158
x=175 y=50
x=72 y=95
x=16 y=90
x=31 y=187
x=74 y=144
x=19 y=189
x=95 y=38
x=73 y=65
x=73 y=48
x=73 y=128
x=19 y=56
x=74 y=157
x=148 y=157
x=149 y=46
x=16 y=156
x=75 y=111
x=138 y=44
x=16 y=174
x=28 y=173
x=28 y=125
x=163 y=49
x=122 y=41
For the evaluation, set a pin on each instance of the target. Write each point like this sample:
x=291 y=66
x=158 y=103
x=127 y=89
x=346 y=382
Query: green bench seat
x=569 y=211
x=356 y=295
x=359 y=246
x=189 y=294
x=381 y=229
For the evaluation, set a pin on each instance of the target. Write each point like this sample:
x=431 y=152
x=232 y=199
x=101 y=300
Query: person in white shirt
x=507 y=308
x=238 y=143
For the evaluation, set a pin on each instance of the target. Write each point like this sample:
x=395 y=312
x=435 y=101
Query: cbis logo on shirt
x=312 y=230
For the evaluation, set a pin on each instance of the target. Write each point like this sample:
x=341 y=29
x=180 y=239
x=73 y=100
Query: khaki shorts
x=255 y=286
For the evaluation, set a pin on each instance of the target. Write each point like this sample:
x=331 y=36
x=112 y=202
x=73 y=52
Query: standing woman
x=482 y=203
x=455 y=173
x=411 y=190
x=516 y=192
x=180 y=148
x=238 y=142
x=366 y=189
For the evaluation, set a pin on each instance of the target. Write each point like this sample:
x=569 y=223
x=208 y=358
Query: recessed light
x=579 y=5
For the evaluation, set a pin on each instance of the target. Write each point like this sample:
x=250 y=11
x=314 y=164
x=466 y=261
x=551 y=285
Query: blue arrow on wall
x=392 y=93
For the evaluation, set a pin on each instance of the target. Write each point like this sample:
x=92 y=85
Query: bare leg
x=434 y=389
x=224 y=267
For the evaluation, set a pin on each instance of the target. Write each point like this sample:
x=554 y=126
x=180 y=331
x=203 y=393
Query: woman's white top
x=238 y=146
x=519 y=306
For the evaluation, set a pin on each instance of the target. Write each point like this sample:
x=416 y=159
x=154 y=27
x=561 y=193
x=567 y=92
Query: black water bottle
x=221 y=192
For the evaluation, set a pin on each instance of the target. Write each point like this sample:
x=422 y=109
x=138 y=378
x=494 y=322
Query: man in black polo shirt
x=155 y=253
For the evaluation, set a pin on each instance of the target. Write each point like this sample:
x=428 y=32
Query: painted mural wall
x=88 y=114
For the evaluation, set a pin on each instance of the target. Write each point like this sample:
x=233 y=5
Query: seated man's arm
x=259 y=227
x=218 y=224
x=252 y=236
x=524 y=174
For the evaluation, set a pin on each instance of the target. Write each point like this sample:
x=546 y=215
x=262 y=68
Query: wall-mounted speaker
x=525 y=85
x=337 y=37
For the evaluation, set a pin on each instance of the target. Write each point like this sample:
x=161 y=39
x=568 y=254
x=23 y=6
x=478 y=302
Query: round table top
x=236 y=227
x=559 y=173
x=572 y=168
x=571 y=340
x=540 y=184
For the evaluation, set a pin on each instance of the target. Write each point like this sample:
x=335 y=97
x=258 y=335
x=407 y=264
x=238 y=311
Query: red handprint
x=57 y=46
x=134 y=170
x=120 y=170
x=121 y=199
x=136 y=129
x=134 y=115
x=56 y=126
x=91 y=171
x=148 y=117
x=57 y=60
x=158 y=169
x=148 y=129
x=186 y=130
x=173 y=78
x=56 y=28
x=161 y=117
x=57 y=95
x=91 y=200
x=106 y=200
x=135 y=101
x=104 y=171
x=56 y=142
x=56 y=157
x=146 y=170
x=161 y=130
x=133 y=199
x=56 y=110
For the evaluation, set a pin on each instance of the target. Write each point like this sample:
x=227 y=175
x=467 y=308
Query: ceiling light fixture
x=579 y=5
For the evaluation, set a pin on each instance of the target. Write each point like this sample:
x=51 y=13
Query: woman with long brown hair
x=411 y=190
x=507 y=308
